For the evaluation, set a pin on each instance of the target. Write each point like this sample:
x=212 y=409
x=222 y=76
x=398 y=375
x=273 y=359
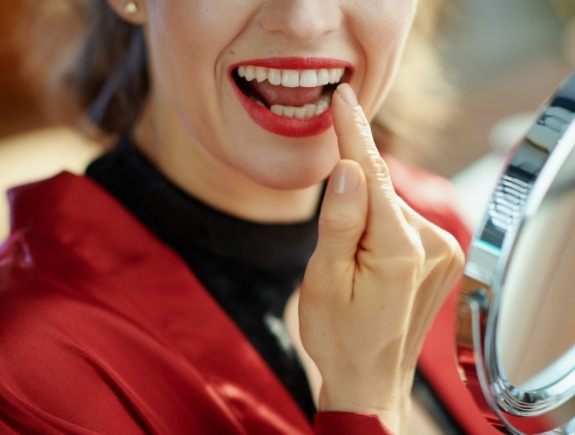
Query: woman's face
x=249 y=81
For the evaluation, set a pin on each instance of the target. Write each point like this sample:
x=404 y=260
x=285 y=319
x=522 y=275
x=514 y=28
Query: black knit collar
x=185 y=223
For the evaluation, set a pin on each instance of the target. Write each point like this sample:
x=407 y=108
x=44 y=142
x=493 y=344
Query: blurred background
x=504 y=58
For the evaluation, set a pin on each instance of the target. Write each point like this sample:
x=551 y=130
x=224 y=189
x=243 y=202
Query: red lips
x=283 y=125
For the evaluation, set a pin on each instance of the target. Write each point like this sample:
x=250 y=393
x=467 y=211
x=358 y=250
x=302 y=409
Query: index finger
x=355 y=141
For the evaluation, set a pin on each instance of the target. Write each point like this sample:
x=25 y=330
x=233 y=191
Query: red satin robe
x=104 y=329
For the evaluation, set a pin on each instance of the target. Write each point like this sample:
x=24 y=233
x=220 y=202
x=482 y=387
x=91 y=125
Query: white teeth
x=310 y=110
x=322 y=106
x=323 y=76
x=250 y=73
x=275 y=76
x=261 y=74
x=302 y=112
x=289 y=111
x=291 y=78
x=308 y=79
x=335 y=75
x=277 y=109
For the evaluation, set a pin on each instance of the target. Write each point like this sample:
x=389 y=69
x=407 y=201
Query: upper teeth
x=291 y=78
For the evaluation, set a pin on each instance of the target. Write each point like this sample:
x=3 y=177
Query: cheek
x=282 y=166
x=181 y=43
x=199 y=22
x=383 y=25
x=187 y=39
x=381 y=29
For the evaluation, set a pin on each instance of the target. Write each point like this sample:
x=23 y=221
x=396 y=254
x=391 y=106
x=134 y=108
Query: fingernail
x=346 y=92
x=345 y=179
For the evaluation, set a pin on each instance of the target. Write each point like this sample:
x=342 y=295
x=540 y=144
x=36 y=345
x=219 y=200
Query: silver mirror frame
x=525 y=181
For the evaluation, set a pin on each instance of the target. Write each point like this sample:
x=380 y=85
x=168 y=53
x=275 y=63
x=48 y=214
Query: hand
x=377 y=278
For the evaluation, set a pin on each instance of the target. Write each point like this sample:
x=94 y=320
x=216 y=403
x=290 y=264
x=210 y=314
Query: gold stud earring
x=131 y=8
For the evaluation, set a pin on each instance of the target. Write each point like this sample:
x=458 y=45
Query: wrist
x=389 y=402
x=330 y=423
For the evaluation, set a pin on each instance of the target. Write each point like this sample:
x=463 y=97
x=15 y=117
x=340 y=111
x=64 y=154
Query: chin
x=293 y=175
x=291 y=183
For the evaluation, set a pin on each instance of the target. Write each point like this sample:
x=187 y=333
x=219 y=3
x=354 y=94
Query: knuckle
x=413 y=245
x=361 y=121
x=374 y=165
x=410 y=257
x=451 y=244
x=457 y=259
x=451 y=255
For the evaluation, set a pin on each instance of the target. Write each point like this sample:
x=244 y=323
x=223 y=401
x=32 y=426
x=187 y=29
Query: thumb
x=343 y=214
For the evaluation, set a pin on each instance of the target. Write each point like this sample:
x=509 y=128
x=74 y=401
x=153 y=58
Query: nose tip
x=304 y=20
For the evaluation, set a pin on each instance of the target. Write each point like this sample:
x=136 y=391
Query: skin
x=375 y=281
x=380 y=271
x=194 y=128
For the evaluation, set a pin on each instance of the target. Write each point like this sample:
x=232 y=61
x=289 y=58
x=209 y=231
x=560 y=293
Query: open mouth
x=300 y=94
x=274 y=96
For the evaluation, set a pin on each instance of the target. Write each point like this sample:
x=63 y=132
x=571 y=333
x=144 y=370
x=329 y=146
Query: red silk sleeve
x=347 y=423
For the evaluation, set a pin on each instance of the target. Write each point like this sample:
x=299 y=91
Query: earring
x=131 y=8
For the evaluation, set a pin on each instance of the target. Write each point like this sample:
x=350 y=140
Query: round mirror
x=516 y=313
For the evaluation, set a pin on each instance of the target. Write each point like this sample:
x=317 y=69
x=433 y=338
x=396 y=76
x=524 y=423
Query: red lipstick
x=284 y=125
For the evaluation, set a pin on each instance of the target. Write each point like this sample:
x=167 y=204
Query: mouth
x=289 y=96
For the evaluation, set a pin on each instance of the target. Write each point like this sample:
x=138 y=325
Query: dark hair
x=106 y=80
x=111 y=75
x=94 y=65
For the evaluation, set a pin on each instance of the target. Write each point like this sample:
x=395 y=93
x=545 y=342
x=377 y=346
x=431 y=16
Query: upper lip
x=299 y=63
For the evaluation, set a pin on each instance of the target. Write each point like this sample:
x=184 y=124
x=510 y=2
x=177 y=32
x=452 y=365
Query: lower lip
x=282 y=125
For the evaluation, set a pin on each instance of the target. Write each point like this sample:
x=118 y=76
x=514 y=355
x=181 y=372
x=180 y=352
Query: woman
x=149 y=296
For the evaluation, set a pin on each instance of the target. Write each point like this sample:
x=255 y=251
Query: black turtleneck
x=250 y=268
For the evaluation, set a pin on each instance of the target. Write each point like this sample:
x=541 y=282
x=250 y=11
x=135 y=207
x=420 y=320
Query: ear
x=132 y=11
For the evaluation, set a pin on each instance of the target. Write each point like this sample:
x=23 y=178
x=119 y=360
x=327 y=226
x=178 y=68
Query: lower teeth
x=302 y=112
